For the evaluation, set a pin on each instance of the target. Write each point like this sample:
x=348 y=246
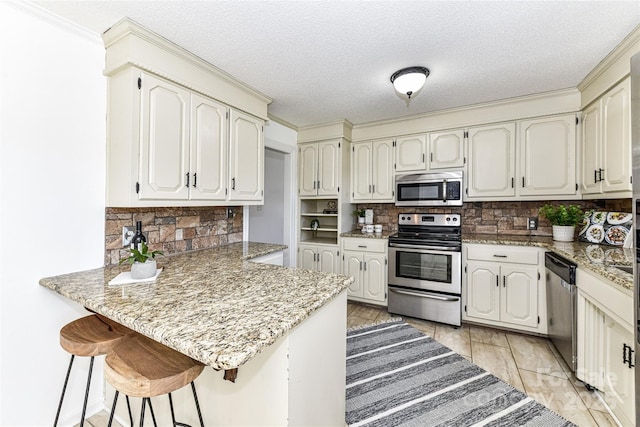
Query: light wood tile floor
x=530 y=364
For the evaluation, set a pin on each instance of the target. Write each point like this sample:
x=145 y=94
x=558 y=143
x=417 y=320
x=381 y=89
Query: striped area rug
x=397 y=376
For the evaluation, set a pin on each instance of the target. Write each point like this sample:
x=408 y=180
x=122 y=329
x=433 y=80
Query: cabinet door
x=361 y=161
x=382 y=176
x=446 y=149
x=492 y=161
x=328 y=260
x=410 y=153
x=519 y=295
x=308 y=170
x=164 y=149
x=483 y=291
x=547 y=157
x=374 y=277
x=246 y=163
x=208 y=149
x=616 y=138
x=591 y=148
x=619 y=379
x=328 y=168
x=307 y=257
x=352 y=266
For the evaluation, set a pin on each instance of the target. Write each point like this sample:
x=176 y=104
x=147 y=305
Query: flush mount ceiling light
x=409 y=80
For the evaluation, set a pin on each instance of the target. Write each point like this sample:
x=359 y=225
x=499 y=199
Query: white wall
x=266 y=222
x=52 y=181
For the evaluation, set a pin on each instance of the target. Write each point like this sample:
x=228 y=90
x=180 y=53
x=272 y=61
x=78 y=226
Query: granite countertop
x=213 y=305
x=595 y=258
x=359 y=233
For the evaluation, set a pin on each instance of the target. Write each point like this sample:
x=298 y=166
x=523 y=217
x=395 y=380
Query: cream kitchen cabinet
x=372 y=176
x=323 y=258
x=174 y=125
x=605 y=343
x=491 y=161
x=434 y=151
x=246 y=160
x=365 y=259
x=540 y=163
x=446 y=149
x=606 y=136
x=169 y=146
x=411 y=153
x=547 y=159
x=503 y=287
x=319 y=168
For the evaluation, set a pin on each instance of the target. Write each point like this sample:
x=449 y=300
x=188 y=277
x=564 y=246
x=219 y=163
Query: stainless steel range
x=425 y=272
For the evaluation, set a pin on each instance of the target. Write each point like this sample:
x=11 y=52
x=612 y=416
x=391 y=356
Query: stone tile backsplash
x=172 y=230
x=493 y=217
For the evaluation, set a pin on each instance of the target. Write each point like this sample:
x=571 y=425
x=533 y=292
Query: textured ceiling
x=323 y=61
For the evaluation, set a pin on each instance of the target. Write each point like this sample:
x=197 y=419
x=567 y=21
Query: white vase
x=360 y=220
x=143 y=270
x=563 y=233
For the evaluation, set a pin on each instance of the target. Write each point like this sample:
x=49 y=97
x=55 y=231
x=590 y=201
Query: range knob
x=455 y=219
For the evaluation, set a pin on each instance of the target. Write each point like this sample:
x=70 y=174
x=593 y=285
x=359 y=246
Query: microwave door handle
x=444 y=190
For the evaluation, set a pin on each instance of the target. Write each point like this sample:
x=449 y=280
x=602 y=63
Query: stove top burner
x=429 y=230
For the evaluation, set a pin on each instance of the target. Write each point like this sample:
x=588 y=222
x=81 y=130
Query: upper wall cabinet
x=606 y=135
x=372 y=177
x=319 y=168
x=172 y=138
x=547 y=156
x=438 y=150
x=491 y=161
x=540 y=162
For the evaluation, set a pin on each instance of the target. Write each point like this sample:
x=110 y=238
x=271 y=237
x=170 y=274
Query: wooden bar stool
x=141 y=367
x=89 y=336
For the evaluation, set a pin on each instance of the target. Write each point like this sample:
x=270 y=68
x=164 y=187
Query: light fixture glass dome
x=409 y=80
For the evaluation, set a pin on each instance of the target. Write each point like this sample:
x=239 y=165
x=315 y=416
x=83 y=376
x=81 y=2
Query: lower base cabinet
x=504 y=287
x=606 y=356
x=319 y=258
x=365 y=259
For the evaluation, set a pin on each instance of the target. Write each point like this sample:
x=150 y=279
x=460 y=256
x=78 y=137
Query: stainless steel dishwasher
x=561 y=306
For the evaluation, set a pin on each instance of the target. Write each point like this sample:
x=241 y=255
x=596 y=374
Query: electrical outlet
x=229 y=213
x=127 y=235
x=532 y=223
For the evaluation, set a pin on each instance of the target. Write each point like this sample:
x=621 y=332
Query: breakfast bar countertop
x=213 y=305
x=598 y=259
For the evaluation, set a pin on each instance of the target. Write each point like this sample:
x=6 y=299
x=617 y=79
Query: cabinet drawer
x=364 y=245
x=502 y=253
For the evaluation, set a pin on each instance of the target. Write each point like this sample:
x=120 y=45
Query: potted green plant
x=563 y=220
x=143 y=263
x=359 y=214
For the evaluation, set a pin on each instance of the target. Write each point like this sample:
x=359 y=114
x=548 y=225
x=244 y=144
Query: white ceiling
x=323 y=61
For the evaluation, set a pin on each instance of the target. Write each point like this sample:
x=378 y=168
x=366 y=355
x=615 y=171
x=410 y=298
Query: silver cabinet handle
x=362 y=246
x=365 y=265
x=499 y=256
x=421 y=295
x=233 y=183
x=374 y=188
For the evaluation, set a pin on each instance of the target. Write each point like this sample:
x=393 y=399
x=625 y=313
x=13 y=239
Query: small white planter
x=143 y=270
x=563 y=233
x=360 y=220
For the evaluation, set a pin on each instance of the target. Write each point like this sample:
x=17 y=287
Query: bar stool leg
x=195 y=398
x=153 y=415
x=113 y=409
x=130 y=415
x=64 y=389
x=86 y=394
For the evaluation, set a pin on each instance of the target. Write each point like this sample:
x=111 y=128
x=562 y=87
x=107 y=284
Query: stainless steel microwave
x=429 y=189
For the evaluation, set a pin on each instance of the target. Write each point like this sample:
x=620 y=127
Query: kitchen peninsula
x=282 y=328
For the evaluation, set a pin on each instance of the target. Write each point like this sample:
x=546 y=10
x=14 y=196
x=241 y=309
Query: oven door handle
x=421 y=295
x=424 y=248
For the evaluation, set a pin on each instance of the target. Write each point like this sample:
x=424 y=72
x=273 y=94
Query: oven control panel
x=447 y=220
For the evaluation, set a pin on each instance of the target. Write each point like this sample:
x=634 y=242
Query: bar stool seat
x=141 y=367
x=89 y=336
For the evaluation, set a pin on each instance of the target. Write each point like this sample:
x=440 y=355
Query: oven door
x=427 y=269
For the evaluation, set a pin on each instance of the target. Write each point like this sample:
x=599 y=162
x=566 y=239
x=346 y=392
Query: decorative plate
x=605 y=228
x=331 y=204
